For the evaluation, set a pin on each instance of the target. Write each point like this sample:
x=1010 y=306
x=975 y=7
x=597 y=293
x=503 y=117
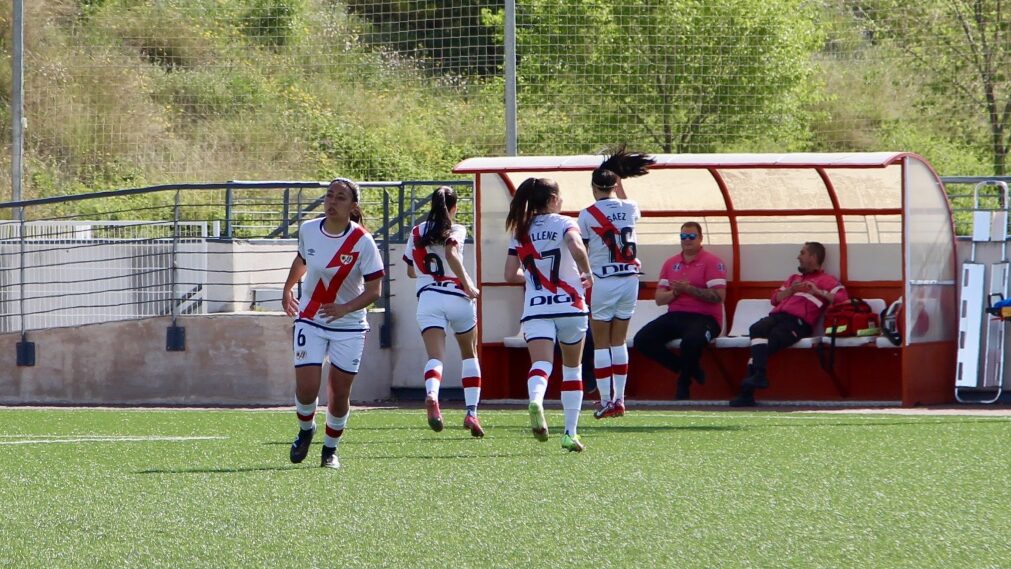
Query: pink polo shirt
x=704 y=271
x=806 y=306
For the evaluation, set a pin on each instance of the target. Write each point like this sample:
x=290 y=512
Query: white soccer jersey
x=552 y=279
x=608 y=228
x=337 y=267
x=434 y=273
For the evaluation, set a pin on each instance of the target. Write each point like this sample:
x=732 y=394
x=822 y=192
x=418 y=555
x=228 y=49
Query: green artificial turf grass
x=654 y=488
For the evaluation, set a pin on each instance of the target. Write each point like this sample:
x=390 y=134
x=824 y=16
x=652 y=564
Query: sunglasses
x=688 y=236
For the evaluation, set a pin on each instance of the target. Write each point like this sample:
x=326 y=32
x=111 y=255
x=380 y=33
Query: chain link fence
x=128 y=93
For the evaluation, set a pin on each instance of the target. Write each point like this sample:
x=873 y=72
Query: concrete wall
x=230 y=359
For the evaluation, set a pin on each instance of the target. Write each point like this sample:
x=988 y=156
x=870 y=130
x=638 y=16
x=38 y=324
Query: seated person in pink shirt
x=693 y=286
x=797 y=306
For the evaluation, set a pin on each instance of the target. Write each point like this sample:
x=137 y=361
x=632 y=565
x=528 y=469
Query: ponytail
x=619 y=165
x=531 y=198
x=439 y=224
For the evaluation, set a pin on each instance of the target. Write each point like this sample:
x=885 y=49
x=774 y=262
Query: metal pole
x=228 y=213
x=17 y=105
x=386 y=330
x=175 y=338
x=285 y=213
x=510 y=77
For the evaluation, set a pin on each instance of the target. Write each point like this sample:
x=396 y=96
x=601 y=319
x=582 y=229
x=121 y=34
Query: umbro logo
x=310 y=252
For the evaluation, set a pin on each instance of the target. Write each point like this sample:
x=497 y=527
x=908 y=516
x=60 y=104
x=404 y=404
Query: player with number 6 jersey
x=446 y=299
x=343 y=275
x=608 y=228
x=547 y=256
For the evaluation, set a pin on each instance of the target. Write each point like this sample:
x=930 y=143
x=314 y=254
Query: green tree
x=675 y=75
x=962 y=50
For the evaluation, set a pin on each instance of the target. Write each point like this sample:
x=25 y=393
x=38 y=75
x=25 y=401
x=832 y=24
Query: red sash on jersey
x=605 y=227
x=527 y=249
x=344 y=260
x=419 y=260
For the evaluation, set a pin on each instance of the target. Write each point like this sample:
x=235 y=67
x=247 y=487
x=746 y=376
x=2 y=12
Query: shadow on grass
x=613 y=428
x=219 y=470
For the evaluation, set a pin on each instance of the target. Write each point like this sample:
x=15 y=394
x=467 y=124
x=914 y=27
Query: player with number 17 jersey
x=552 y=285
x=608 y=229
x=337 y=267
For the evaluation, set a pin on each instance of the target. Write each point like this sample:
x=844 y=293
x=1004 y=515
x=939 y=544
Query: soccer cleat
x=610 y=409
x=572 y=443
x=300 y=448
x=328 y=459
x=745 y=399
x=471 y=422
x=538 y=426
x=434 y=415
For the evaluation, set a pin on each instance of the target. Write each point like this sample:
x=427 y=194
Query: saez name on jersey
x=616 y=216
x=544 y=235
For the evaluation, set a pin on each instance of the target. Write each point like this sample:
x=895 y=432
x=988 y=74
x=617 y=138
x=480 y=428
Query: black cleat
x=745 y=399
x=328 y=458
x=300 y=448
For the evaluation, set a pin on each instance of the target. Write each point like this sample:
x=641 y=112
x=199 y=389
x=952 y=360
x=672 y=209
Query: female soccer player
x=608 y=228
x=446 y=296
x=546 y=254
x=343 y=271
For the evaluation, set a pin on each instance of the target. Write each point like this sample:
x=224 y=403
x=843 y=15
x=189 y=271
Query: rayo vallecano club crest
x=347 y=259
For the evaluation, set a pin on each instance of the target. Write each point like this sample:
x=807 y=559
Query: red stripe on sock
x=332 y=432
x=537 y=373
x=308 y=417
x=602 y=372
x=433 y=374
x=572 y=385
x=471 y=382
x=620 y=369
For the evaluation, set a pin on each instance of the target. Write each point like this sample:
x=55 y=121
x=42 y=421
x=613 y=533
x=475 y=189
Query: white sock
x=602 y=371
x=334 y=429
x=306 y=413
x=572 y=397
x=471 y=384
x=537 y=381
x=433 y=378
x=619 y=367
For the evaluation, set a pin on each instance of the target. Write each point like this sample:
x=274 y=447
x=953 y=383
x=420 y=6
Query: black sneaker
x=745 y=399
x=756 y=381
x=683 y=391
x=300 y=448
x=328 y=458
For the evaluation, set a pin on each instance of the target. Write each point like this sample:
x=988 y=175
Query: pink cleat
x=471 y=422
x=434 y=414
x=610 y=409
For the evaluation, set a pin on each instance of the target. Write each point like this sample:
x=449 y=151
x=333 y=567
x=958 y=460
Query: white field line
x=37 y=439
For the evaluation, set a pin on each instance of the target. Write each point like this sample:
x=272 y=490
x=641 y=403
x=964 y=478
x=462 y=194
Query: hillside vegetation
x=127 y=93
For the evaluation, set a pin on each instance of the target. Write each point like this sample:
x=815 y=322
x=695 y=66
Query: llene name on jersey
x=544 y=236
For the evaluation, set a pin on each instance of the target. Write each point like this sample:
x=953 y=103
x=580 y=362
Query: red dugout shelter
x=884 y=218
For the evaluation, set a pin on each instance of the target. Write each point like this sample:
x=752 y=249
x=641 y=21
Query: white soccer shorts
x=311 y=344
x=614 y=297
x=437 y=310
x=565 y=329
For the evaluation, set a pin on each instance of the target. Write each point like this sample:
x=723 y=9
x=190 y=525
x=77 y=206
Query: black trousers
x=782 y=330
x=694 y=330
